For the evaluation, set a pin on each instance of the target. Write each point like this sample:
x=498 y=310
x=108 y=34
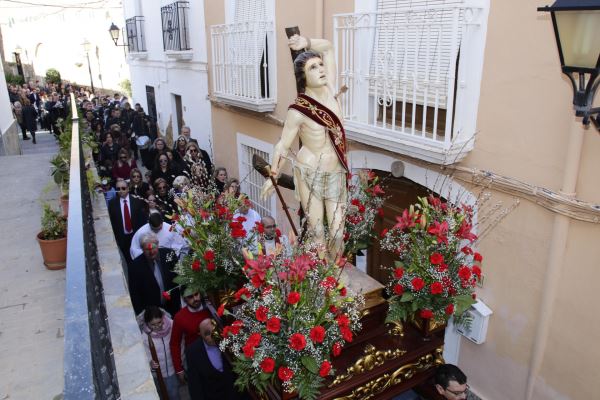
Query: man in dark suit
x=209 y=373
x=126 y=217
x=151 y=277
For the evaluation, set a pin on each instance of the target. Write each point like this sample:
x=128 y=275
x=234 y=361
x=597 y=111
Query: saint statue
x=320 y=167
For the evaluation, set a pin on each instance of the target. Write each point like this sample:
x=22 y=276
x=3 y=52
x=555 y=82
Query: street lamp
x=577 y=30
x=17 y=54
x=114 y=34
x=86 y=47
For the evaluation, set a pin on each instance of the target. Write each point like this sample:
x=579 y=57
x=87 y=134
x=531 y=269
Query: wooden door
x=401 y=193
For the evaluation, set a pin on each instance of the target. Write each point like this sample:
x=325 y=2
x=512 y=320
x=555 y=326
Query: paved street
x=31 y=297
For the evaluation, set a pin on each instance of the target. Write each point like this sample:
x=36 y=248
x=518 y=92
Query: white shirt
x=252 y=217
x=122 y=202
x=166 y=238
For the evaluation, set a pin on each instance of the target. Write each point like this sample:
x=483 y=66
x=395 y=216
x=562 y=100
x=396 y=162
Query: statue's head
x=299 y=68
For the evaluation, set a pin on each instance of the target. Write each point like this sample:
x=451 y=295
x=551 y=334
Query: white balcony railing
x=413 y=76
x=243 y=64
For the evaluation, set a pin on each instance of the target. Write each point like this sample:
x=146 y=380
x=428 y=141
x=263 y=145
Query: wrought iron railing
x=243 y=63
x=136 y=41
x=89 y=367
x=413 y=73
x=175 y=26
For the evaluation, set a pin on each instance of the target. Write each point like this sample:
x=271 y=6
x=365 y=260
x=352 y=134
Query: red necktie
x=127 y=216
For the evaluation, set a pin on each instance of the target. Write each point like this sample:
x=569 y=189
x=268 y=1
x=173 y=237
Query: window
x=136 y=41
x=251 y=181
x=175 y=26
x=243 y=58
x=406 y=64
x=151 y=102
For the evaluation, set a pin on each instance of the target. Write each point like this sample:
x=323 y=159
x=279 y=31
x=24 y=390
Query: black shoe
x=26 y=138
x=34 y=142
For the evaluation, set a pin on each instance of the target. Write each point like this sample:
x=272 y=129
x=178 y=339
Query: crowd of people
x=38 y=106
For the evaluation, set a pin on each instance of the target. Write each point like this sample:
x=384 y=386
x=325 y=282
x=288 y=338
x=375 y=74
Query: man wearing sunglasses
x=126 y=217
x=451 y=383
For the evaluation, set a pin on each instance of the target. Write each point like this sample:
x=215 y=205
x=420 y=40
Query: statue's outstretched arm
x=324 y=48
x=292 y=124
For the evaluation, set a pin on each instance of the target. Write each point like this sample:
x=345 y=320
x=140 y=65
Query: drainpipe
x=319 y=19
x=556 y=257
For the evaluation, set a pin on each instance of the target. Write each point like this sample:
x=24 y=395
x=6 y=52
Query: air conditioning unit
x=480 y=316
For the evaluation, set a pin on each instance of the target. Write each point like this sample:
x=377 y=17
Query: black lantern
x=577 y=30
x=114 y=34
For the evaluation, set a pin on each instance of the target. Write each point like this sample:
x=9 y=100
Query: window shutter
x=415 y=40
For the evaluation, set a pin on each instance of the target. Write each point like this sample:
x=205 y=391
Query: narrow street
x=31 y=297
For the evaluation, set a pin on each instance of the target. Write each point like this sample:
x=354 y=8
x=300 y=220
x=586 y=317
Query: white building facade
x=168 y=64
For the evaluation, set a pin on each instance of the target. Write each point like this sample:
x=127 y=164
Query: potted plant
x=438 y=269
x=60 y=174
x=53 y=238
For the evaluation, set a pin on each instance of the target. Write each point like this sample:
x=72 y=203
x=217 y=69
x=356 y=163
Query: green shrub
x=53 y=76
x=54 y=224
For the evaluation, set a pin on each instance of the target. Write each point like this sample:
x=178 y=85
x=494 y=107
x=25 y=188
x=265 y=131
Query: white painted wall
x=6 y=116
x=169 y=75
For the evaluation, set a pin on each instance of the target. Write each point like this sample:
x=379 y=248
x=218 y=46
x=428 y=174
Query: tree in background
x=53 y=76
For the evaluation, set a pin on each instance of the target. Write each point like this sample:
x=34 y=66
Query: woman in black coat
x=164 y=169
x=109 y=150
x=30 y=118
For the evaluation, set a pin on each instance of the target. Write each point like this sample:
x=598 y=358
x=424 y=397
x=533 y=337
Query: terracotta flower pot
x=54 y=252
x=64 y=204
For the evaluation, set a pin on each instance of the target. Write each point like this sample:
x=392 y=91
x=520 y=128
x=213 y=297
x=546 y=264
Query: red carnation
x=325 y=368
x=329 y=282
x=248 y=351
x=426 y=314
x=210 y=266
x=254 y=339
x=436 y=288
x=196 y=265
x=166 y=295
x=383 y=232
x=209 y=255
x=293 y=298
x=443 y=267
x=226 y=330
x=285 y=374
x=477 y=271
x=464 y=272
x=343 y=292
x=336 y=349
x=236 y=326
x=260 y=228
x=277 y=232
x=417 y=284
x=267 y=365
x=273 y=324
x=317 y=334
x=221 y=310
x=333 y=309
x=398 y=273
x=477 y=257
x=242 y=292
x=346 y=333
x=449 y=310
x=467 y=250
x=297 y=342
x=436 y=258
x=343 y=320
x=398 y=289
x=261 y=313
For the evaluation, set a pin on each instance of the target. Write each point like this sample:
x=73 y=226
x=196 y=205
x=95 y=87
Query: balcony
x=243 y=65
x=136 y=41
x=413 y=76
x=175 y=29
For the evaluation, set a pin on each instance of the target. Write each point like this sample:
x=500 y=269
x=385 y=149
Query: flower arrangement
x=294 y=317
x=438 y=269
x=215 y=240
x=365 y=201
